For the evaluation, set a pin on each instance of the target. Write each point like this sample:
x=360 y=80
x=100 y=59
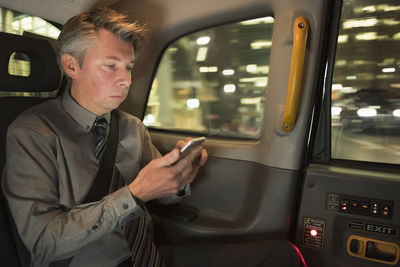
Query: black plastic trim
x=321 y=146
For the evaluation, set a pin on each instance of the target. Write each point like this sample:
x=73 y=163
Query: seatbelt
x=102 y=183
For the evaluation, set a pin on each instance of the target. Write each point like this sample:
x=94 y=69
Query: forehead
x=106 y=44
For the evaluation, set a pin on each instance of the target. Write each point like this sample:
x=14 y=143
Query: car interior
x=296 y=152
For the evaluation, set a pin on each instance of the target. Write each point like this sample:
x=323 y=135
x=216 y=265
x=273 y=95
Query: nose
x=125 y=79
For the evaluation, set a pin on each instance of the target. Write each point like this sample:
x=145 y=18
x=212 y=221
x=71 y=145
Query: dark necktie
x=99 y=130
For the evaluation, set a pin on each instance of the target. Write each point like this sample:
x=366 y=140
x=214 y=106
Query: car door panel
x=234 y=199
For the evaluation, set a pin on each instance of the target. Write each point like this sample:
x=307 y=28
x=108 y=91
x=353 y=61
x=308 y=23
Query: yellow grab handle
x=300 y=32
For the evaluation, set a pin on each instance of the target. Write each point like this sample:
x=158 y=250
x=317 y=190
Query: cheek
x=99 y=78
x=101 y=85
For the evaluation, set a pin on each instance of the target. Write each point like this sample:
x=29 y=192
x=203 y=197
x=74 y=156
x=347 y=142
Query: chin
x=112 y=107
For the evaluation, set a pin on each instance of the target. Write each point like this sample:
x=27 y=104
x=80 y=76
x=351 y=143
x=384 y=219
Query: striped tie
x=99 y=130
x=140 y=236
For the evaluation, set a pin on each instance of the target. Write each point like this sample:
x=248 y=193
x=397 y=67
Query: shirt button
x=125 y=206
x=95 y=227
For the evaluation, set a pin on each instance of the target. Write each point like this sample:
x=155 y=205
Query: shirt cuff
x=126 y=207
x=185 y=191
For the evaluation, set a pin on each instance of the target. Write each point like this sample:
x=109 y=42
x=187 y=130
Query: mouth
x=118 y=97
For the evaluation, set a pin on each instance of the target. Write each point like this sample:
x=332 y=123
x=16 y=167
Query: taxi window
x=214 y=81
x=365 y=107
x=23 y=24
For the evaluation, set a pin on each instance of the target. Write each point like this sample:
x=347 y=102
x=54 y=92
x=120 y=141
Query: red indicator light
x=313 y=232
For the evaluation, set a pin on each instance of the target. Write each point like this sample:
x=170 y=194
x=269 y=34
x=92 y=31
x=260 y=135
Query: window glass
x=366 y=83
x=19 y=65
x=214 y=81
x=24 y=24
x=17 y=23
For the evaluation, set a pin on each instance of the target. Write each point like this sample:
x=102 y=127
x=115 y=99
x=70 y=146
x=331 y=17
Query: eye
x=110 y=66
x=129 y=68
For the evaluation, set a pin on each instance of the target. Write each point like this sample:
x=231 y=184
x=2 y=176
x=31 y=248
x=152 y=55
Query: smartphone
x=189 y=146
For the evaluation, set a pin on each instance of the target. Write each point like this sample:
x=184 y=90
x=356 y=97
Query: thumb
x=170 y=158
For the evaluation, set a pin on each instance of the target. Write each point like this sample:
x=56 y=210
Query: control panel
x=360 y=205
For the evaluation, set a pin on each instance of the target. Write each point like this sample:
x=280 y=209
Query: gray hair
x=81 y=30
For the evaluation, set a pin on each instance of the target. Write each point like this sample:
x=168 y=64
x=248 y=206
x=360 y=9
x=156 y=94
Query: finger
x=194 y=154
x=191 y=176
x=188 y=169
x=186 y=162
x=169 y=158
x=203 y=158
x=180 y=144
x=182 y=164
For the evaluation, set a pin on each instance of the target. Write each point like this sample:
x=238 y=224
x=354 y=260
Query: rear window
x=214 y=81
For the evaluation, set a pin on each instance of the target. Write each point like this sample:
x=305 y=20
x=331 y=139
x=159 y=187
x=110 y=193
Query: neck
x=74 y=92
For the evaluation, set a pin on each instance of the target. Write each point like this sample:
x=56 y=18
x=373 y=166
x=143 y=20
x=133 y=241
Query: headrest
x=45 y=74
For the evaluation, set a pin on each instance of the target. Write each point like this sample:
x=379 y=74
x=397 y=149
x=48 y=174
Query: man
x=54 y=154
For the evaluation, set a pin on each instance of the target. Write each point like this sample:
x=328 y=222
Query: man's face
x=102 y=82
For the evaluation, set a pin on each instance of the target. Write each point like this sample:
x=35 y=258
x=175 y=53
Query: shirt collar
x=83 y=116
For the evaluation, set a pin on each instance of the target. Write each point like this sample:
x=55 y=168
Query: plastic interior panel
x=376 y=185
x=234 y=199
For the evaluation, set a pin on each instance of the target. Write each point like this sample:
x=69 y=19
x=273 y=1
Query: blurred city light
x=201 y=54
x=366 y=112
x=208 y=69
x=343 y=38
x=258 y=21
x=251 y=101
x=149 y=119
x=335 y=111
x=337 y=86
x=396 y=112
x=229 y=88
x=203 y=40
x=261 y=83
x=251 y=68
x=193 y=103
x=260 y=44
x=386 y=70
x=356 y=23
x=228 y=72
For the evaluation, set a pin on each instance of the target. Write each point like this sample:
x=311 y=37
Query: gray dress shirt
x=51 y=165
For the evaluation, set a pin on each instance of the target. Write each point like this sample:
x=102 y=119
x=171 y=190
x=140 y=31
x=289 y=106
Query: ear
x=70 y=65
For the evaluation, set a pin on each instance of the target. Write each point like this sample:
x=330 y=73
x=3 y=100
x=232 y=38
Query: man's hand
x=160 y=178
